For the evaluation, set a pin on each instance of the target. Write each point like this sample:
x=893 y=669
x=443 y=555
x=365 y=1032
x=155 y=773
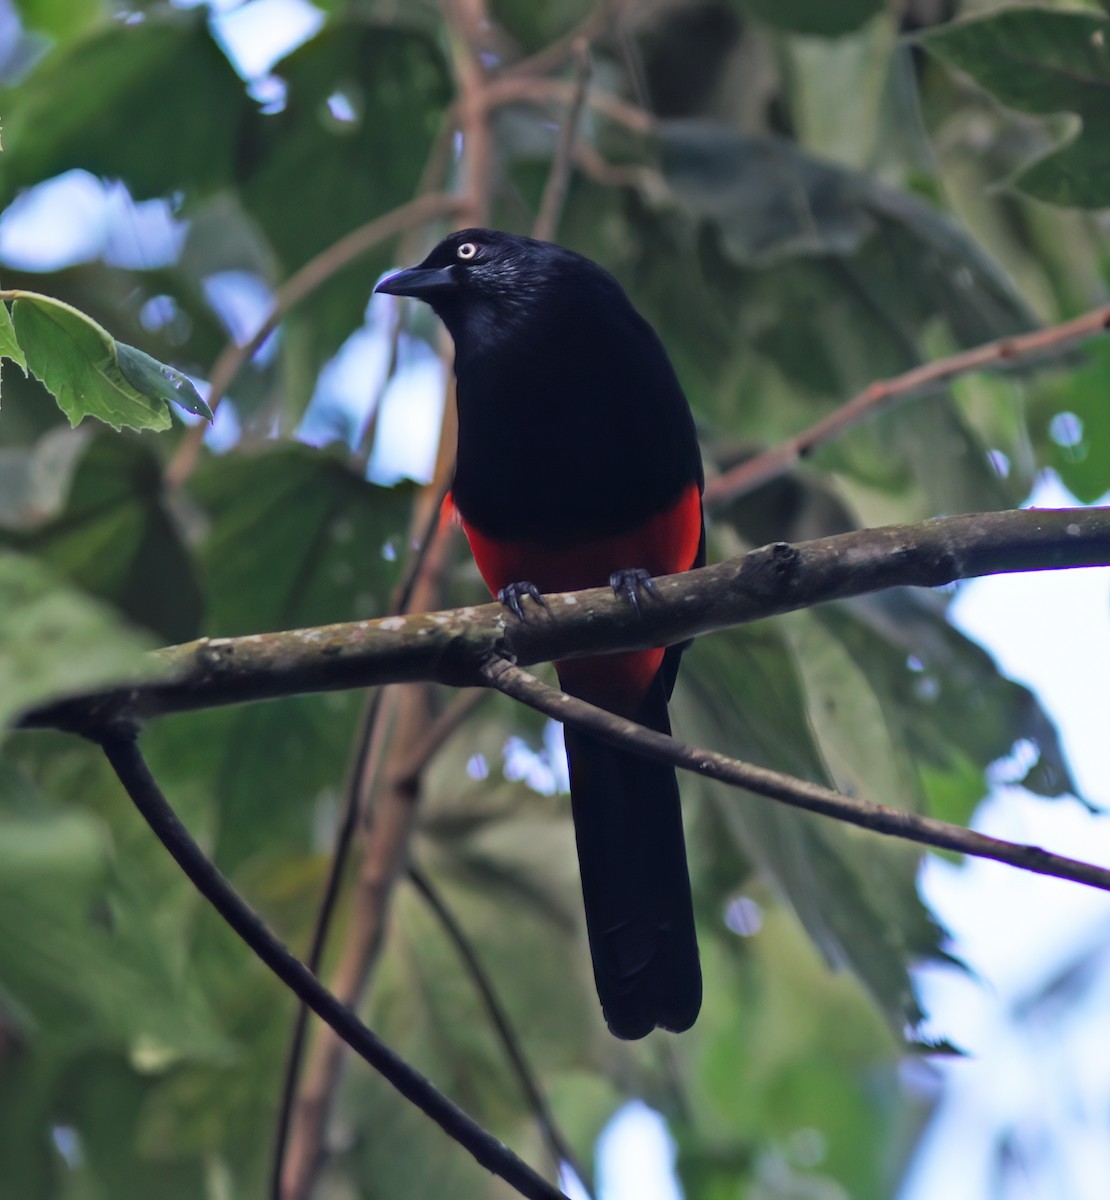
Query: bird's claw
x=630 y=582
x=512 y=597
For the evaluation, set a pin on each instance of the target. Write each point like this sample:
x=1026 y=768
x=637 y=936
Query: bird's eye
x=467 y=251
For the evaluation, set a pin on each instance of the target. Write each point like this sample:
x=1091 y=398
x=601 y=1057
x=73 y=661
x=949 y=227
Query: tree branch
x=884 y=393
x=127 y=761
x=797 y=793
x=451 y=647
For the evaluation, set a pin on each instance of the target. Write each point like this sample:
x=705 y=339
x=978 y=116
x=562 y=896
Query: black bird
x=578 y=465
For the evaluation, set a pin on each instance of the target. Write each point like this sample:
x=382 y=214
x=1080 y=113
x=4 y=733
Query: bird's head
x=484 y=284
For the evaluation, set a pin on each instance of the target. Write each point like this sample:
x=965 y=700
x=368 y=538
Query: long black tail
x=635 y=884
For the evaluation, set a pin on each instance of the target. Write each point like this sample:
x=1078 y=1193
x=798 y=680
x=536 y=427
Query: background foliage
x=826 y=194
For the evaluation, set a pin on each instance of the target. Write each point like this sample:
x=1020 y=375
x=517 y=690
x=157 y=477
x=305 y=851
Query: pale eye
x=467 y=251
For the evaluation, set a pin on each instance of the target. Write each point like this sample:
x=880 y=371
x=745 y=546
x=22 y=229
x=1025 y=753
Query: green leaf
x=856 y=895
x=75 y=358
x=63 y=952
x=1044 y=61
x=772 y=202
x=534 y=26
x=394 y=84
x=55 y=641
x=115 y=536
x=89 y=372
x=122 y=102
x=814 y=16
x=797 y=283
x=944 y=698
x=123 y=300
x=9 y=343
x=157 y=380
x=297 y=538
x=864 y=754
x=1072 y=424
x=60 y=19
x=787 y=1046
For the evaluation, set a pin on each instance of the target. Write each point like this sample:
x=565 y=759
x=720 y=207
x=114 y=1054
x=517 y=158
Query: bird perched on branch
x=578 y=466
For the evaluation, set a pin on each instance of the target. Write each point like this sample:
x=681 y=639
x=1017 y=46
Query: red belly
x=663 y=545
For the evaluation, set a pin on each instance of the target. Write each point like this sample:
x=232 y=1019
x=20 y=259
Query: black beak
x=419 y=282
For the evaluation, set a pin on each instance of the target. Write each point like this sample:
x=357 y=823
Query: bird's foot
x=630 y=582
x=512 y=596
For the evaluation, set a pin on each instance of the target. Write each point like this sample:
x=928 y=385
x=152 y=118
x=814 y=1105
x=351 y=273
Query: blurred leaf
x=536 y=25
x=1072 y=424
x=363 y=106
x=793 y=1080
x=864 y=754
x=122 y=103
x=945 y=695
x=61 y=19
x=855 y=893
x=55 y=641
x=116 y=538
x=841 y=89
x=1042 y=61
x=739 y=184
x=296 y=538
x=835 y=280
x=105 y=1008
x=814 y=16
x=91 y=967
x=427 y=1006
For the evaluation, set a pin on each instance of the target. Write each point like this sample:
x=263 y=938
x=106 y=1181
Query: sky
x=1038 y=1058
x=1031 y=1012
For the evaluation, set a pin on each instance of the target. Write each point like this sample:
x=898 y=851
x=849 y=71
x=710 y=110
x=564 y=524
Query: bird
x=578 y=466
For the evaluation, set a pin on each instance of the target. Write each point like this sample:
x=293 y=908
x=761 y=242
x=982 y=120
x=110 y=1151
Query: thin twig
x=301 y=284
x=515 y=89
x=1005 y=352
x=129 y=765
x=797 y=793
x=436 y=735
x=558 y=180
x=557 y=1145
